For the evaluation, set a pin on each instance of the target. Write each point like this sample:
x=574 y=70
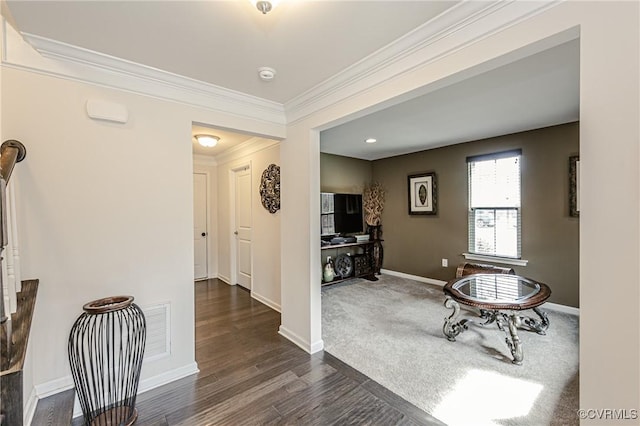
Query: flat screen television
x=340 y=214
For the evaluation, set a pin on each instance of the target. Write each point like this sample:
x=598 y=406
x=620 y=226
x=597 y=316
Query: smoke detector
x=266 y=73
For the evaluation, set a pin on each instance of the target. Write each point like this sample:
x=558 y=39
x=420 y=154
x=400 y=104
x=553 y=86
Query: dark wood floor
x=251 y=375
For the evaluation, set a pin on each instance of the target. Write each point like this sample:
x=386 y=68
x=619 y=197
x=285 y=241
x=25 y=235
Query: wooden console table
x=364 y=263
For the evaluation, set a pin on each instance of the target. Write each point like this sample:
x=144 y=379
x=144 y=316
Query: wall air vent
x=158 y=332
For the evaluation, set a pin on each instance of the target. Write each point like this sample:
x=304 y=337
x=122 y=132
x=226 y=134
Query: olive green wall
x=344 y=174
x=417 y=244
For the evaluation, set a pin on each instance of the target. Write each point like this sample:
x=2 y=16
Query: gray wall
x=344 y=174
x=417 y=244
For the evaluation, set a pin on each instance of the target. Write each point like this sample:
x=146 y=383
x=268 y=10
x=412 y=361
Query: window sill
x=496 y=259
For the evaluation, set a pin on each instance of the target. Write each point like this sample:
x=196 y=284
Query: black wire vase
x=106 y=346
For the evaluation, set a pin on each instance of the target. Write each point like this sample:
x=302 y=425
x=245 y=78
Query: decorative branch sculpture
x=373 y=203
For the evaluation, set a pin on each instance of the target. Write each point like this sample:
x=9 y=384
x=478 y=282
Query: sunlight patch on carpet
x=481 y=397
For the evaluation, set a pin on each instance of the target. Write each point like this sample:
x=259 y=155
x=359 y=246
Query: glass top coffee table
x=500 y=299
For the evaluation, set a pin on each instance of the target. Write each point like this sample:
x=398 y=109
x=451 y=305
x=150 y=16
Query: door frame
x=233 y=241
x=208 y=221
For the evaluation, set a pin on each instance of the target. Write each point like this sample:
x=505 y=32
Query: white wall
x=107 y=221
x=104 y=209
x=300 y=177
x=258 y=153
x=94 y=219
x=28 y=395
x=211 y=170
x=609 y=113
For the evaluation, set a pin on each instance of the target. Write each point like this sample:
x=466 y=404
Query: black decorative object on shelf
x=270 y=188
x=574 y=186
x=106 y=346
x=362 y=265
x=375 y=235
x=344 y=265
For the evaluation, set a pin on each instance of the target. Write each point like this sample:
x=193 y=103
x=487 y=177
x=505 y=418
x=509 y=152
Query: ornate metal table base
x=512 y=320
x=452 y=328
x=540 y=326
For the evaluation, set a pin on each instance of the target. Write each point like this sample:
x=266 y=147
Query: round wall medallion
x=270 y=188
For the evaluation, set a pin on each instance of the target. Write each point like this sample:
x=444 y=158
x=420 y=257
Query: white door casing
x=200 y=232
x=242 y=228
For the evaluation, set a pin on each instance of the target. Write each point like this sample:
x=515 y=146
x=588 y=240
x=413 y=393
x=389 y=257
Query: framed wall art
x=422 y=193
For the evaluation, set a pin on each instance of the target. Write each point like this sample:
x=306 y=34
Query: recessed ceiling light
x=371 y=140
x=208 y=141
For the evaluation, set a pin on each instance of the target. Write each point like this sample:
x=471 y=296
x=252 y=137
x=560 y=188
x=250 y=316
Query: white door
x=200 y=233
x=243 y=227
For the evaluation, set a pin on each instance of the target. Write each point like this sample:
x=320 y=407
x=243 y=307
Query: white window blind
x=494 y=204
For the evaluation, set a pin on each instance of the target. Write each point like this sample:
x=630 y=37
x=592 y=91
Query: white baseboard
x=548 y=305
x=317 y=346
x=167 y=377
x=77 y=410
x=300 y=342
x=270 y=303
x=30 y=407
x=53 y=387
x=208 y=277
x=562 y=308
x=153 y=382
x=65 y=383
x=413 y=277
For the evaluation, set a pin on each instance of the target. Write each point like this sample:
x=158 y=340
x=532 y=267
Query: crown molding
x=456 y=28
x=245 y=149
x=75 y=63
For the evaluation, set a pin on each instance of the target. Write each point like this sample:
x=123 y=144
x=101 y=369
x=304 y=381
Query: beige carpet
x=391 y=330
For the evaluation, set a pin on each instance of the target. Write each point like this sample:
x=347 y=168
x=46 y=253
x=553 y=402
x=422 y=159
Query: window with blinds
x=494 y=204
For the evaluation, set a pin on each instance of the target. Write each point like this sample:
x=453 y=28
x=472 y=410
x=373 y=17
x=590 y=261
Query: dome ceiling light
x=208 y=141
x=264 y=6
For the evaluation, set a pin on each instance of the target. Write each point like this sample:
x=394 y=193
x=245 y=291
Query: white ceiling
x=538 y=91
x=228 y=140
x=307 y=42
x=224 y=42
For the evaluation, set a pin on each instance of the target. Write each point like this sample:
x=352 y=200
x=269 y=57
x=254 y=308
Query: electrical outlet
x=445 y=263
